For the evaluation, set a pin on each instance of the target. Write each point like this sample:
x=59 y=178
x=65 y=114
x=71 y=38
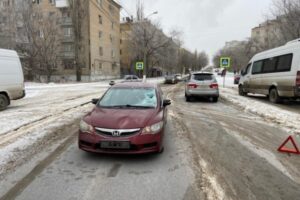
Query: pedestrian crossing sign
x=224 y=62
x=139 y=66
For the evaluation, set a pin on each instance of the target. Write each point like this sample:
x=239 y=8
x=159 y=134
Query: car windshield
x=130 y=97
x=203 y=77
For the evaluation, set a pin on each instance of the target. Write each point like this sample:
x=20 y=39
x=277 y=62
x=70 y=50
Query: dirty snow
x=271 y=112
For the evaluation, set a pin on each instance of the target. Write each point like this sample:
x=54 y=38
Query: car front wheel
x=241 y=91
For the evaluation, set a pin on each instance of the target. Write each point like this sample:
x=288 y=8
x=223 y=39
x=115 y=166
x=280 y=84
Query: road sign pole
x=224 y=81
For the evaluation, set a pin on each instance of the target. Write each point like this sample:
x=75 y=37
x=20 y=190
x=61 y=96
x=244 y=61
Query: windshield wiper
x=128 y=106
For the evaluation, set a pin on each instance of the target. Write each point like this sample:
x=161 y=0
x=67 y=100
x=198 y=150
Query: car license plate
x=115 y=145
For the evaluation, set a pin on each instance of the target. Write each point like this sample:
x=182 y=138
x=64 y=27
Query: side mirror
x=166 y=102
x=95 y=101
x=111 y=83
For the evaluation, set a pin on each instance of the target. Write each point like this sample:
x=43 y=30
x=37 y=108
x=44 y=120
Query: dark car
x=237 y=78
x=131 y=78
x=171 y=79
x=130 y=118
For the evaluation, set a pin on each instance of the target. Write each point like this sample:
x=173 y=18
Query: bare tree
x=42 y=45
x=287 y=14
x=78 y=12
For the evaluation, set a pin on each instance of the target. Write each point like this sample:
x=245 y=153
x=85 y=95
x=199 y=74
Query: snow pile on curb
x=286 y=119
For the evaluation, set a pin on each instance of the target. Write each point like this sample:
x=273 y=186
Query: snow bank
x=286 y=119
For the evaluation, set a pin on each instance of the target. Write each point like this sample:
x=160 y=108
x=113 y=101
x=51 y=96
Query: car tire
x=4 y=102
x=273 y=96
x=241 y=91
x=161 y=150
x=215 y=99
x=187 y=98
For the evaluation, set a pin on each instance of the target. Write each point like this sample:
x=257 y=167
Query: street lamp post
x=145 y=48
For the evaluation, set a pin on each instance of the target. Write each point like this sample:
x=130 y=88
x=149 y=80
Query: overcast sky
x=207 y=24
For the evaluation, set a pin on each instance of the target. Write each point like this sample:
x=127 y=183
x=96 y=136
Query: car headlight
x=154 y=128
x=85 y=127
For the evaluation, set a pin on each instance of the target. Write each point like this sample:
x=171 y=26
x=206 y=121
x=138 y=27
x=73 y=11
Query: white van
x=11 y=78
x=274 y=73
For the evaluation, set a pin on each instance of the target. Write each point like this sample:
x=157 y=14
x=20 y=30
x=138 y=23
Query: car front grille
x=117 y=132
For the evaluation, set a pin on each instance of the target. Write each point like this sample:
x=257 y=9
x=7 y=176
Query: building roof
x=115 y=3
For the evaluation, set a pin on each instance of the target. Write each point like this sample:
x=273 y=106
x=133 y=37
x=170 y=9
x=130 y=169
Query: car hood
x=120 y=118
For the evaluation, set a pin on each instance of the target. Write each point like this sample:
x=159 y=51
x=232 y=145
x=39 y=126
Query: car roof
x=135 y=85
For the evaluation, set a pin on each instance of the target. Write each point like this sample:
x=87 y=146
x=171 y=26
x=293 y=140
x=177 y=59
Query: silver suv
x=202 y=84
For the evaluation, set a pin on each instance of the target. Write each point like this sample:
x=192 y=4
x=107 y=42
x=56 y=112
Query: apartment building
x=267 y=33
x=7 y=28
x=127 y=67
x=99 y=45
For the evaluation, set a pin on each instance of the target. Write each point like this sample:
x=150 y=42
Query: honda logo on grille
x=116 y=133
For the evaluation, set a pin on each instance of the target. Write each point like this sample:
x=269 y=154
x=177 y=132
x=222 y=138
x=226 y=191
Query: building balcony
x=66 y=21
x=68 y=39
x=68 y=55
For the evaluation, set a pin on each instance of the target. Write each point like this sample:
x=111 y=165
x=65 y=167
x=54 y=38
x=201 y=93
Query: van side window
x=270 y=65
x=257 y=67
x=285 y=63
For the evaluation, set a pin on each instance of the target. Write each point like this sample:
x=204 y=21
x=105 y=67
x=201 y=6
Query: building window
x=113 y=53
x=68 y=64
x=52 y=2
x=100 y=19
x=111 y=38
x=100 y=34
x=68 y=47
x=68 y=32
x=120 y=51
x=99 y=2
x=112 y=25
x=100 y=51
x=100 y=65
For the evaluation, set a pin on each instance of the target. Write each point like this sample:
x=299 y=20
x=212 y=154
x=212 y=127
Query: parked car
x=11 y=78
x=131 y=78
x=202 y=84
x=171 y=79
x=130 y=118
x=178 y=77
x=237 y=79
x=274 y=73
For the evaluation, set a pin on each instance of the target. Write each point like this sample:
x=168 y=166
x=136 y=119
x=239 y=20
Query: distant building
x=127 y=66
x=266 y=33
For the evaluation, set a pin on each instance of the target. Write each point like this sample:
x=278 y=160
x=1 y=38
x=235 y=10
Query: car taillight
x=192 y=85
x=214 y=86
x=298 y=79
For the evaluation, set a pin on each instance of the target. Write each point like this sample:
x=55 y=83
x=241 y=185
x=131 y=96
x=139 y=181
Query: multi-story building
x=7 y=27
x=127 y=66
x=99 y=45
x=267 y=34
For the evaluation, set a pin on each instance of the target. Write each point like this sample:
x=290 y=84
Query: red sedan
x=129 y=119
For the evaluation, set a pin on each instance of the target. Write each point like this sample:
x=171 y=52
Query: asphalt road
x=212 y=151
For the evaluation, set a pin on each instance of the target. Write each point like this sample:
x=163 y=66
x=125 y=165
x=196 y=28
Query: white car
x=202 y=84
x=11 y=78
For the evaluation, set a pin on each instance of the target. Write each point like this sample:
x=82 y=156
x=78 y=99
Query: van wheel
x=3 y=102
x=241 y=91
x=273 y=96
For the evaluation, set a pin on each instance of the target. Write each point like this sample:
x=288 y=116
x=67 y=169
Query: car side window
x=257 y=67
